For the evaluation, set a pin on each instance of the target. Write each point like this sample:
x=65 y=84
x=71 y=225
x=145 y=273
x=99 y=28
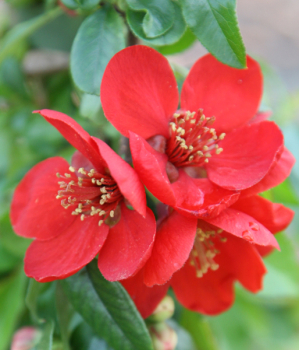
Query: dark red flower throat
x=192 y=141
x=90 y=193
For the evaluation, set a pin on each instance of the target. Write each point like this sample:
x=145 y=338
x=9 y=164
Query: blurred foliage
x=268 y=320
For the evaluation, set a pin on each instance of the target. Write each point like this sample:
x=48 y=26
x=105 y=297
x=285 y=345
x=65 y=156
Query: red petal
x=248 y=154
x=139 y=92
x=145 y=298
x=174 y=241
x=231 y=95
x=128 y=245
x=35 y=211
x=188 y=195
x=244 y=226
x=67 y=253
x=213 y=293
x=275 y=217
x=216 y=199
x=74 y=134
x=151 y=168
x=126 y=177
x=276 y=175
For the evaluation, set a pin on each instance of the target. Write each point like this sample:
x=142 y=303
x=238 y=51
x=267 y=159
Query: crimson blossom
x=208 y=159
x=85 y=211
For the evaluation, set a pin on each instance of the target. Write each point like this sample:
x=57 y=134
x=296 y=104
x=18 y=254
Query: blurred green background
x=34 y=74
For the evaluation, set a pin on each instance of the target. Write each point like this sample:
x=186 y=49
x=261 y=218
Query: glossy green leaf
x=135 y=20
x=100 y=36
x=184 y=43
x=159 y=16
x=214 y=22
x=22 y=31
x=46 y=340
x=108 y=309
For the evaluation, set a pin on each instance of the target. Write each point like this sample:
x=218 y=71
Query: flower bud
x=25 y=338
x=163 y=311
x=163 y=337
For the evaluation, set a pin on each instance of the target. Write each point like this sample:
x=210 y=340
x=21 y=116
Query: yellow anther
x=102 y=201
x=221 y=137
x=208 y=155
x=102 y=212
x=108 y=195
x=78 y=210
x=82 y=171
x=57 y=174
x=91 y=172
x=199 y=136
x=190 y=148
x=103 y=190
x=75 y=213
x=191 y=158
x=67 y=175
x=82 y=217
x=206 y=160
x=100 y=222
x=192 y=121
x=199 y=153
x=93 y=180
x=205 y=148
x=99 y=183
x=112 y=213
x=218 y=150
x=176 y=115
x=80 y=205
x=58 y=196
x=72 y=169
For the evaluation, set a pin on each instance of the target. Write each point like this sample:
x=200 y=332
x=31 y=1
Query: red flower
x=70 y=220
x=215 y=133
x=226 y=249
x=183 y=157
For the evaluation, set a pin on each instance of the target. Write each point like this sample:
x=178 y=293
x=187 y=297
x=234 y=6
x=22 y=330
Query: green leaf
x=185 y=41
x=11 y=305
x=108 y=309
x=159 y=17
x=214 y=22
x=135 y=20
x=33 y=292
x=100 y=37
x=46 y=339
x=22 y=31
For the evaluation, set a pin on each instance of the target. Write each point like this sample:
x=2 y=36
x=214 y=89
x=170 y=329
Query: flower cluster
x=205 y=157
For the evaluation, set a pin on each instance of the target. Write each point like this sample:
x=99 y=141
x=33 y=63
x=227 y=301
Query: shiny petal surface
x=213 y=293
x=275 y=217
x=35 y=211
x=139 y=92
x=244 y=226
x=128 y=245
x=125 y=176
x=231 y=95
x=67 y=253
x=248 y=154
x=151 y=168
x=278 y=172
x=216 y=199
x=74 y=134
x=145 y=298
x=173 y=243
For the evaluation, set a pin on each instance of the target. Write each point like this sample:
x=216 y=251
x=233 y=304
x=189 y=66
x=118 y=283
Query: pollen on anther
x=72 y=169
x=100 y=222
x=112 y=213
x=82 y=217
x=218 y=150
x=221 y=136
x=67 y=175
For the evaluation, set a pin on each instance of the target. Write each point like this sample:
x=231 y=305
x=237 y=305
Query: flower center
x=89 y=192
x=192 y=141
x=204 y=251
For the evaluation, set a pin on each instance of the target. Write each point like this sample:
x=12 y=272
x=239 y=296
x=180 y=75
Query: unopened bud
x=25 y=338
x=163 y=337
x=163 y=311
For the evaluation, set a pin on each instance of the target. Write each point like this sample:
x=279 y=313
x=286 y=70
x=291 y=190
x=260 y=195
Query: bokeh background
x=35 y=75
